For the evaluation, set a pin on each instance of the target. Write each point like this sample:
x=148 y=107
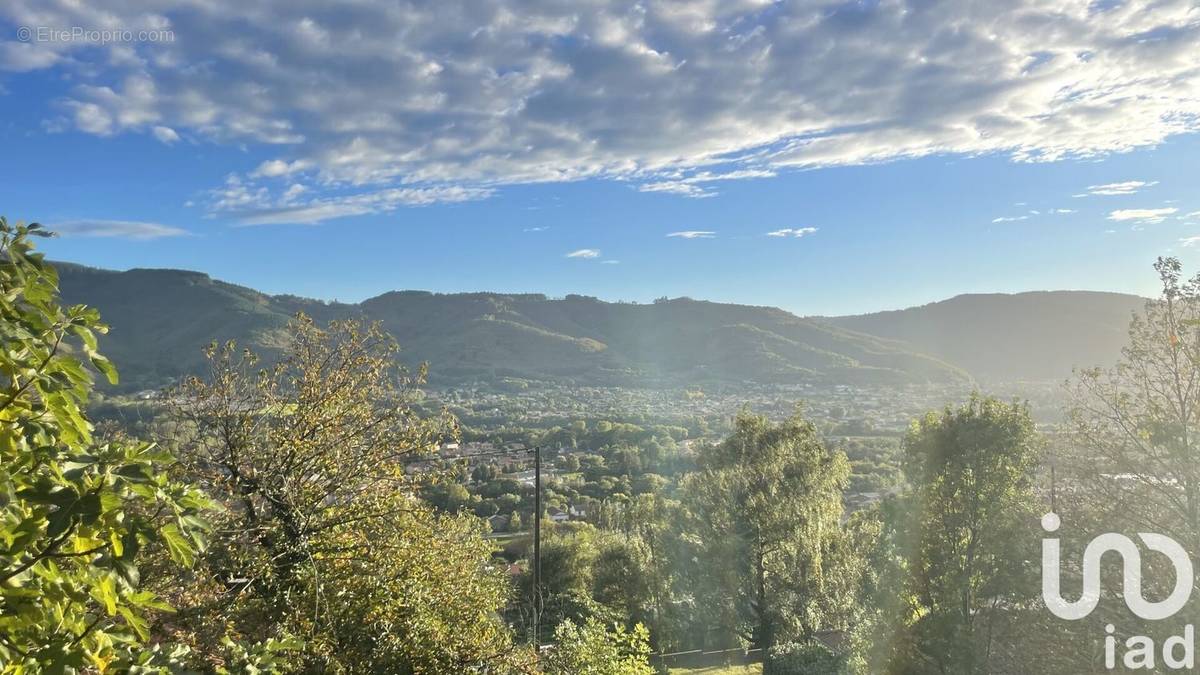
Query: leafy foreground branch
x=78 y=515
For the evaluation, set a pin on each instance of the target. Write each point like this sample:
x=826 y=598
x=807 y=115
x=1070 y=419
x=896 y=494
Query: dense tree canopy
x=323 y=536
x=764 y=517
x=969 y=516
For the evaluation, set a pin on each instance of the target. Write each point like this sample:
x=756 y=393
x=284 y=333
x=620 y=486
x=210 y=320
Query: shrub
x=802 y=658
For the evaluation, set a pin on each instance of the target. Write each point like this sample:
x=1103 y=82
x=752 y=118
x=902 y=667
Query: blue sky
x=450 y=159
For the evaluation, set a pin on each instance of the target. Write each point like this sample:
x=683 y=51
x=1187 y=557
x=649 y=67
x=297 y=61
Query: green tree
x=76 y=514
x=764 y=513
x=324 y=535
x=879 y=640
x=622 y=577
x=1136 y=427
x=484 y=473
x=638 y=570
x=972 y=474
x=591 y=649
x=569 y=463
x=1132 y=463
x=568 y=555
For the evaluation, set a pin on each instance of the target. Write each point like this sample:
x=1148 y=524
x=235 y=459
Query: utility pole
x=537 y=546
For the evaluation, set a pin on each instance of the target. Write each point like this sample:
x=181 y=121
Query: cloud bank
x=673 y=96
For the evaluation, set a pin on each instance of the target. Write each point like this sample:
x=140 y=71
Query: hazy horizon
x=639 y=300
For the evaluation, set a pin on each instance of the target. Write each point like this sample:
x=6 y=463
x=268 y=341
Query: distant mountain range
x=161 y=319
x=1023 y=336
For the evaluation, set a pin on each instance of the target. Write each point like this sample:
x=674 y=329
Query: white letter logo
x=1131 y=561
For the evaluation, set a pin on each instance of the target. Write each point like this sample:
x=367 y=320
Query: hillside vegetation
x=994 y=336
x=161 y=320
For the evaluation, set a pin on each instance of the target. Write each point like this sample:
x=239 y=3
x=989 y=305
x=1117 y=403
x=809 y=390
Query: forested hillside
x=1034 y=336
x=161 y=319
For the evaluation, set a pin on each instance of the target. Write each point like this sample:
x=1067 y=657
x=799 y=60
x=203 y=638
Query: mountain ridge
x=161 y=318
x=1026 y=335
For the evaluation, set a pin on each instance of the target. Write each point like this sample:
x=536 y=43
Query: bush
x=592 y=649
x=803 y=658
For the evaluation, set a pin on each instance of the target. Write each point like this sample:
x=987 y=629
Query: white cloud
x=610 y=262
x=692 y=185
x=92 y=118
x=293 y=193
x=1190 y=241
x=309 y=214
x=165 y=134
x=248 y=201
x=1142 y=215
x=540 y=228
x=792 y=232
x=584 y=253
x=253 y=207
x=672 y=96
x=677 y=188
x=1128 y=187
x=693 y=234
x=277 y=167
x=25 y=56
x=124 y=229
x=1032 y=212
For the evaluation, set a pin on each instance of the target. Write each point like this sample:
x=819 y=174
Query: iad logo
x=1140 y=652
x=1131 y=559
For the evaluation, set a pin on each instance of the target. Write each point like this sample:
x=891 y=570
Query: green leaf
x=148 y=599
x=178 y=545
x=86 y=335
x=105 y=366
x=106 y=593
x=137 y=623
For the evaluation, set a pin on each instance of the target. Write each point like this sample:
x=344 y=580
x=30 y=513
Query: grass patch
x=752 y=669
